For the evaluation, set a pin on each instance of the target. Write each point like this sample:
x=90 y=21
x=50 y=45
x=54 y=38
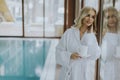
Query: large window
x=34 y=18
x=11 y=18
x=54 y=17
x=92 y=3
x=107 y=3
x=41 y=18
x=117 y=5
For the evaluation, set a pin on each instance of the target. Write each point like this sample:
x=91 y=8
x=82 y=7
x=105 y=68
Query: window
x=42 y=18
x=117 y=5
x=92 y=3
x=54 y=17
x=11 y=18
x=34 y=19
x=107 y=3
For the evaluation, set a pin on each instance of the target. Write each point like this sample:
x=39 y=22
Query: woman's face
x=112 y=19
x=89 y=18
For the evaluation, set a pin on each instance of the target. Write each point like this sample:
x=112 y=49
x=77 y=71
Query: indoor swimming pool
x=23 y=59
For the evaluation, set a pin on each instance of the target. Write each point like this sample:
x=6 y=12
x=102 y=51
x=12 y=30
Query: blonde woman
x=109 y=60
x=78 y=49
x=111 y=20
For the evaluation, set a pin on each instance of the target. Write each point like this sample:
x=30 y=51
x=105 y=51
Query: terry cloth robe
x=109 y=60
x=80 y=69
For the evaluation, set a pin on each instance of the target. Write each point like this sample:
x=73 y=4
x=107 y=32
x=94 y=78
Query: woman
x=109 y=60
x=78 y=49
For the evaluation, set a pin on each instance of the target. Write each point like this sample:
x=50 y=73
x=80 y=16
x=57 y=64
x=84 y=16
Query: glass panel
x=10 y=18
x=78 y=8
x=107 y=3
x=54 y=18
x=27 y=59
x=92 y=3
x=33 y=12
x=117 y=5
x=110 y=54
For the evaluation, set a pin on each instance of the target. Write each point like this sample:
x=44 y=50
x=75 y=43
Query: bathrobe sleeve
x=62 y=54
x=117 y=54
x=109 y=48
x=93 y=48
x=103 y=50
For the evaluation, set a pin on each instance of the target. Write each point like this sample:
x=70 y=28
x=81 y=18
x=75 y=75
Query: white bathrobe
x=83 y=68
x=109 y=69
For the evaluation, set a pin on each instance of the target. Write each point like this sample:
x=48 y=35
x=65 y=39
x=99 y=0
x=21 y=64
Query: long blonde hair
x=83 y=13
x=105 y=22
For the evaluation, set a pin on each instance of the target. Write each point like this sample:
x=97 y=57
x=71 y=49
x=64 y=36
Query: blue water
x=23 y=59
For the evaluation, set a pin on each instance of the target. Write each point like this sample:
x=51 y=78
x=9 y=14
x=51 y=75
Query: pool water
x=22 y=59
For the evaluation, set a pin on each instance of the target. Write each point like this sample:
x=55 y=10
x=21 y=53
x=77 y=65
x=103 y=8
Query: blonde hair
x=83 y=13
x=105 y=22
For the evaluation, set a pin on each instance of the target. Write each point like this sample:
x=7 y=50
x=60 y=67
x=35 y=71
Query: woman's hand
x=75 y=56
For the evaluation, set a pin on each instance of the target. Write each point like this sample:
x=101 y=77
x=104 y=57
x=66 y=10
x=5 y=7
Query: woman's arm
x=62 y=54
x=93 y=48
